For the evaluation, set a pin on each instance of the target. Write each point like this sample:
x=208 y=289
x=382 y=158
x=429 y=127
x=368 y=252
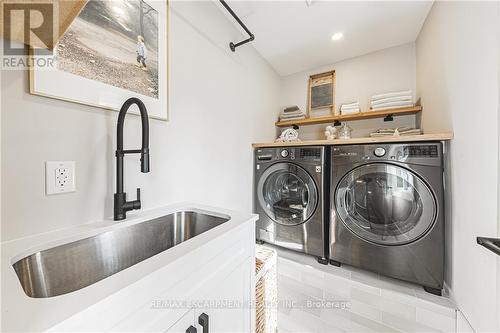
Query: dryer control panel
x=425 y=153
x=421 y=151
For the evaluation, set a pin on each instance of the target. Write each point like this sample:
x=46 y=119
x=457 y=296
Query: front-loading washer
x=386 y=210
x=289 y=197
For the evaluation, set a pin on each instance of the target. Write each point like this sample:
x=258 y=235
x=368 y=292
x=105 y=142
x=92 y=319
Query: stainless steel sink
x=76 y=265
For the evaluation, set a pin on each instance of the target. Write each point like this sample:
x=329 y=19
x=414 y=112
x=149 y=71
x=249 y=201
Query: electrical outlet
x=59 y=177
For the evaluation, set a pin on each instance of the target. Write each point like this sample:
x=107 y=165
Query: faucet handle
x=136 y=204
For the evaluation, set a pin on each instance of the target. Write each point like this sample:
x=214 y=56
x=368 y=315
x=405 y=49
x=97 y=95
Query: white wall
x=221 y=102
x=457 y=79
x=1 y=95
x=498 y=205
x=357 y=80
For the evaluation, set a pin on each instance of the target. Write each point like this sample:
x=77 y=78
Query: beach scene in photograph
x=114 y=42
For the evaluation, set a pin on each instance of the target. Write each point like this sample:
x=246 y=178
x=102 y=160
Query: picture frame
x=321 y=92
x=115 y=73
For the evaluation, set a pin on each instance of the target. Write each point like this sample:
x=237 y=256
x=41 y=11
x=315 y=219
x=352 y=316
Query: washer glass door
x=287 y=193
x=385 y=204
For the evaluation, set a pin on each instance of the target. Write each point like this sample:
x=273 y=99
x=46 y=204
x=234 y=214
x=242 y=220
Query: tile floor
x=319 y=298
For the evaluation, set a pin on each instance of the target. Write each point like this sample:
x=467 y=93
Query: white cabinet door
x=227 y=302
x=183 y=324
x=223 y=303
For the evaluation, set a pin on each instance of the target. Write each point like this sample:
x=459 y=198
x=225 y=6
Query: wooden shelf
x=349 y=117
x=445 y=136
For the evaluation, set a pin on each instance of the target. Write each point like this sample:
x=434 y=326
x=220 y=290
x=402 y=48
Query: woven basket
x=266 y=295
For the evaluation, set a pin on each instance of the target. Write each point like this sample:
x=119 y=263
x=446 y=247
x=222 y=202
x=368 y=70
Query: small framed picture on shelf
x=321 y=94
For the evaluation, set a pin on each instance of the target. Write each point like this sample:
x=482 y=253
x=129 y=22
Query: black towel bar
x=251 y=37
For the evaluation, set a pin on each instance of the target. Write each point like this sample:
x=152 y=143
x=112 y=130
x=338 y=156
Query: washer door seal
x=385 y=204
x=287 y=193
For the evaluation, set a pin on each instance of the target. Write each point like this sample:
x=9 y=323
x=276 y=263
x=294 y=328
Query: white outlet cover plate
x=59 y=177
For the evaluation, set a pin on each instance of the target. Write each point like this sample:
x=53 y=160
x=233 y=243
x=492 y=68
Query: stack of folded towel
x=350 y=108
x=292 y=113
x=396 y=131
x=393 y=100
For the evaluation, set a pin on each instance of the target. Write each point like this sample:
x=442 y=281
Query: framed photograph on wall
x=112 y=51
x=321 y=92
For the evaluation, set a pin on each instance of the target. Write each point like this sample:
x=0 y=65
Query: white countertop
x=23 y=313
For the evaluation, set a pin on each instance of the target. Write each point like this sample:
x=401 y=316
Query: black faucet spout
x=121 y=205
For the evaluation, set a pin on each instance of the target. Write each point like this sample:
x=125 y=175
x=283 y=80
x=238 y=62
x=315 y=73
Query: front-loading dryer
x=386 y=206
x=288 y=196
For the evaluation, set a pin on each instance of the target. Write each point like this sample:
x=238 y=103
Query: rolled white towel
x=288 y=135
x=391 y=94
x=330 y=132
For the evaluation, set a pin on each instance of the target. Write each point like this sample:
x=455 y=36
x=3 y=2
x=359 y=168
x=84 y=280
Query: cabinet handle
x=203 y=321
x=492 y=244
x=191 y=329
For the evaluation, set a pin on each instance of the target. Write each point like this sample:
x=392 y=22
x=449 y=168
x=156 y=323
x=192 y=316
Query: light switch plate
x=59 y=177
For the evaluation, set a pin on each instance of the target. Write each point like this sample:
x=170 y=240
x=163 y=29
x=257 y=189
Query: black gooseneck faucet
x=121 y=205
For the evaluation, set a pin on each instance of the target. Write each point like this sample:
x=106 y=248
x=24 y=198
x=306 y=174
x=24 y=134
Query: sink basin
x=73 y=266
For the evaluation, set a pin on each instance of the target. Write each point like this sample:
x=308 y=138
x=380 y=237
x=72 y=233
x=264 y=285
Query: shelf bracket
x=388 y=117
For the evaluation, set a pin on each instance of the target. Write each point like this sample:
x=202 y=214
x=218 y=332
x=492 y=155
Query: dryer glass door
x=385 y=204
x=287 y=193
